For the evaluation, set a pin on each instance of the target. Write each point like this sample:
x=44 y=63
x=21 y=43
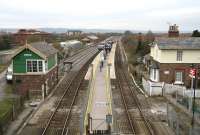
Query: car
x=9 y=74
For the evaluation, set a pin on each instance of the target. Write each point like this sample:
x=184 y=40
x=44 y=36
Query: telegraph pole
x=193 y=73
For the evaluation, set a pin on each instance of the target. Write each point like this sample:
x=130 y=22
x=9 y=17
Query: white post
x=150 y=89
x=192 y=83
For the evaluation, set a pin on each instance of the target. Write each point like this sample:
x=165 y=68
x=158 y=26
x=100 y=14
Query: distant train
x=107 y=45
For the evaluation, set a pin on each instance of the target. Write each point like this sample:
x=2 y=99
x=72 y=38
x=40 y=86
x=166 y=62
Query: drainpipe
x=150 y=88
x=163 y=84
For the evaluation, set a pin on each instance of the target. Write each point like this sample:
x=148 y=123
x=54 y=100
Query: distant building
x=70 y=47
x=93 y=37
x=85 y=40
x=71 y=44
x=35 y=69
x=173 y=31
x=23 y=34
x=74 y=33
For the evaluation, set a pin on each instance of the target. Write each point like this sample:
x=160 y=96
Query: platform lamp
x=193 y=85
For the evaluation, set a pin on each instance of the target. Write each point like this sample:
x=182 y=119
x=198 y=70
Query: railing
x=90 y=91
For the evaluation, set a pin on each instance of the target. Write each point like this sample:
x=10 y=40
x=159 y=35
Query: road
x=2 y=85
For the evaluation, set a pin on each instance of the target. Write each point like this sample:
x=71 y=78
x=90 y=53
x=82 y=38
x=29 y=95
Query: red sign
x=192 y=72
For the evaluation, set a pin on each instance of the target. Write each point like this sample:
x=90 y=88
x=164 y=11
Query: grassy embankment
x=135 y=51
x=6 y=102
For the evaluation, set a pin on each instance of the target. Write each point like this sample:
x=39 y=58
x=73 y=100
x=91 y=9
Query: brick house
x=171 y=59
x=35 y=69
x=24 y=34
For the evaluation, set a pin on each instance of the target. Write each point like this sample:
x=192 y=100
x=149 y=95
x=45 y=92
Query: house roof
x=93 y=37
x=85 y=39
x=154 y=65
x=43 y=49
x=189 y=43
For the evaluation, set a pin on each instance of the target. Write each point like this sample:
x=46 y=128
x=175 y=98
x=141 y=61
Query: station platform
x=110 y=61
x=99 y=103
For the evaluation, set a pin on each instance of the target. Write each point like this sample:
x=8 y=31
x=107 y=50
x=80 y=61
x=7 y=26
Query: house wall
x=33 y=85
x=52 y=61
x=189 y=56
x=167 y=73
x=19 y=61
x=156 y=53
x=169 y=56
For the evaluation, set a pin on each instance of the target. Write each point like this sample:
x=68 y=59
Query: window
x=29 y=66
x=179 y=55
x=34 y=65
x=179 y=76
x=154 y=74
x=40 y=66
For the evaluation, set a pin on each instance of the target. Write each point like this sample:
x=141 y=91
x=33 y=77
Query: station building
x=35 y=70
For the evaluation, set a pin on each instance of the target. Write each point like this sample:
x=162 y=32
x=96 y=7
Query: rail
x=122 y=77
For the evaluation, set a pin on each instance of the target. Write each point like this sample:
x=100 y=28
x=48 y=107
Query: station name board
x=27 y=55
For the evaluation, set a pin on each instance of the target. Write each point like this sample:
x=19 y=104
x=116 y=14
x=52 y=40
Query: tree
x=196 y=33
x=5 y=42
x=150 y=37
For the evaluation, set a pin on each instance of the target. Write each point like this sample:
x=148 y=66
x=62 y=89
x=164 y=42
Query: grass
x=6 y=103
x=8 y=89
x=5 y=106
x=2 y=67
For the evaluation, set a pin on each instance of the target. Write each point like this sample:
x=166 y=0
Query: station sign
x=27 y=55
x=109 y=118
x=192 y=73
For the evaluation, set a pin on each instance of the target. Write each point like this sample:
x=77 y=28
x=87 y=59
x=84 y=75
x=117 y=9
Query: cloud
x=115 y=14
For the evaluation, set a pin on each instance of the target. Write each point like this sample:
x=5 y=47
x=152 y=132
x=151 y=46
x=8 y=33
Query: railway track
x=56 y=119
x=59 y=119
x=79 y=57
x=138 y=123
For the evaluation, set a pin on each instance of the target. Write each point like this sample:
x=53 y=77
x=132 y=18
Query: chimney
x=173 y=31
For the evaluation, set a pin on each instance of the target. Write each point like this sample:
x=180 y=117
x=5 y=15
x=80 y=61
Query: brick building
x=23 y=35
x=35 y=69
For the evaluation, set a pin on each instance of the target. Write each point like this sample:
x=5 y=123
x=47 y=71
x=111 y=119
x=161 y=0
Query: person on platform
x=101 y=60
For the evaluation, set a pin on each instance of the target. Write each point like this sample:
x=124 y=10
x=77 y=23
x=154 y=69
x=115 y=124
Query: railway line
x=57 y=124
x=136 y=121
x=56 y=120
x=79 y=57
x=59 y=120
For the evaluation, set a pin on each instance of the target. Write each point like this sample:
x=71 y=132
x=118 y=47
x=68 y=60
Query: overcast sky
x=101 y=14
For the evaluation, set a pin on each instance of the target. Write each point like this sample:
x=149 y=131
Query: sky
x=101 y=14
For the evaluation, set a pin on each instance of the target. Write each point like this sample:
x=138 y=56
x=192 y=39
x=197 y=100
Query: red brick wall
x=26 y=84
x=170 y=78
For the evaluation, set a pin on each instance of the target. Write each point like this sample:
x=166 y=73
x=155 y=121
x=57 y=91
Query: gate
x=100 y=126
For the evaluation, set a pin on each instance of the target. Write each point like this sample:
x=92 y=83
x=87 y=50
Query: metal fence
x=179 y=124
